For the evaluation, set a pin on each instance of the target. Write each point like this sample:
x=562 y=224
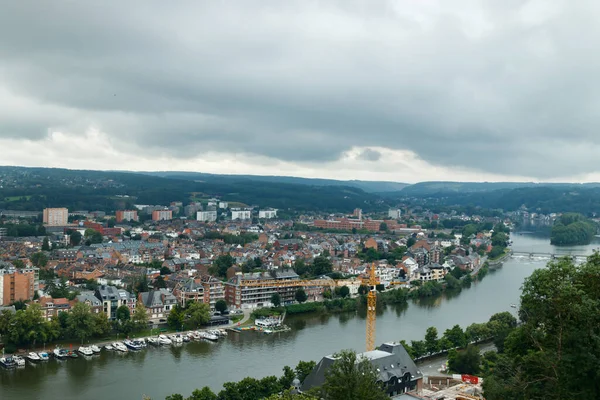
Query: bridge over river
x=574 y=256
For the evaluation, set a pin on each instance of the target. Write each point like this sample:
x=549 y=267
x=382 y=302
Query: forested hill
x=35 y=188
x=367 y=186
x=584 y=199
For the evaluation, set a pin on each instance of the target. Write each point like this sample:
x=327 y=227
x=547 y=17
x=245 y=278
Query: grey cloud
x=369 y=155
x=504 y=87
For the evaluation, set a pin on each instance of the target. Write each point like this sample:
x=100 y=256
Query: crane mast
x=371 y=283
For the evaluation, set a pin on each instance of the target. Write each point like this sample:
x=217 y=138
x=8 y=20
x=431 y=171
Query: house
x=52 y=307
x=397 y=371
x=91 y=300
x=113 y=298
x=158 y=303
x=189 y=290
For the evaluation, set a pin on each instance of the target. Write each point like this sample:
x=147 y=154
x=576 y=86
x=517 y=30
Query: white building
x=210 y=216
x=241 y=214
x=223 y=204
x=268 y=213
x=394 y=213
x=56 y=216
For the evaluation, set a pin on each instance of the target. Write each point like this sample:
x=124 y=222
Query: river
x=158 y=372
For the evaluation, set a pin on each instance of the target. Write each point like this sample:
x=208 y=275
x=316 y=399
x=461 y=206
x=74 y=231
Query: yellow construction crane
x=371 y=283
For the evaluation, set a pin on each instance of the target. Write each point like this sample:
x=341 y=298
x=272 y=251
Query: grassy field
x=17 y=198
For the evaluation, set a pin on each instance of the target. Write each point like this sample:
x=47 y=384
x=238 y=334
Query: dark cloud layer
x=503 y=87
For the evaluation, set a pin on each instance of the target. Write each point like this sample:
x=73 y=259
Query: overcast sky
x=407 y=90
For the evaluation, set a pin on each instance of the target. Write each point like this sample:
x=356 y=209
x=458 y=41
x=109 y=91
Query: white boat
x=163 y=340
x=33 y=357
x=60 y=353
x=222 y=332
x=20 y=361
x=86 y=351
x=95 y=349
x=119 y=347
x=133 y=344
x=187 y=338
x=177 y=339
x=108 y=347
x=209 y=336
x=153 y=341
x=8 y=362
x=44 y=356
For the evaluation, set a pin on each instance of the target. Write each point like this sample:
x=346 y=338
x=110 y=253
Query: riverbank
x=498 y=261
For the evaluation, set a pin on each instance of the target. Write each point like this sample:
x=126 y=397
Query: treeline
x=23 y=229
x=28 y=327
x=98 y=190
x=572 y=229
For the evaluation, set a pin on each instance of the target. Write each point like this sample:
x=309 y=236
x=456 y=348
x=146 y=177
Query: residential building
x=240 y=296
x=18 y=284
x=268 y=213
x=209 y=216
x=3 y=232
x=91 y=300
x=158 y=303
x=357 y=213
x=162 y=215
x=397 y=371
x=241 y=214
x=126 y=215
x=394 y=213
x=223 y=204
x=113 y=298
x=56 y=216
x=214 y=290
x=190 y=290
x=51 y=307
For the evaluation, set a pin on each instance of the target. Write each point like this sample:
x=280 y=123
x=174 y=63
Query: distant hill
x=32 y=189
x=431 y=188
x=367 y=186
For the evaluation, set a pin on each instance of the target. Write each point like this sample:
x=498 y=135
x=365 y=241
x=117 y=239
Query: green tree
x=300 y=267
x=159 y=283
x=363 y=289
x=431 y=340
x=304 y=368
x=221 y=264
x=176 y=317
x=301 y=296
x=111 y=222
x=410 y=242
x=456 y=336
x=39 y=259
x=351 y=378
x=203 y=394
x=101 y=324
x=46 y=244
x=80 y=324
x=165 y=271
x=19 y=264
x=196 y=314
x=276 y=299
x=321 y=266
x=419 y=348
x=287 y=378
x=383 y=227
x=140 y=317
x=344 y=291
x=464 y=361
x=553 y=353
x=123 y=321
x=75 y=238
x=92 y=236
x=221 y=305
x=476 y=332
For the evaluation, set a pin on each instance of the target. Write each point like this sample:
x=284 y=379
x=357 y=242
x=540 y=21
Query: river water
x=158 y=372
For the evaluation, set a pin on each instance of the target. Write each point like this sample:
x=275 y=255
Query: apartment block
x=210 y=216
x=162 y=215
x=241 y=214
x=18 y=284
x=56 y=216
x=267 y=214
x=126 y=215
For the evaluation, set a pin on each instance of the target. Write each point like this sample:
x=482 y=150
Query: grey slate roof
x=391 y=361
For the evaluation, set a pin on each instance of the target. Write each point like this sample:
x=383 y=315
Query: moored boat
x=95 y=349
x=33 y=357
x=20 y=361
x=108 y=347
x=132 y=344
x=8 y=362
x=163 y=340
x=60 y=353
x=72 y=354
x=44 y=356
x=153 y=341
x=119 y=347
x=86 y=351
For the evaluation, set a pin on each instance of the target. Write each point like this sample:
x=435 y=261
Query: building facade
x=241 y=214
x=162 y=215
x=113 y=298
x=267 y=214
x=210 y=216
x=18 y=284
x=56 y=216
x=126 y=215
